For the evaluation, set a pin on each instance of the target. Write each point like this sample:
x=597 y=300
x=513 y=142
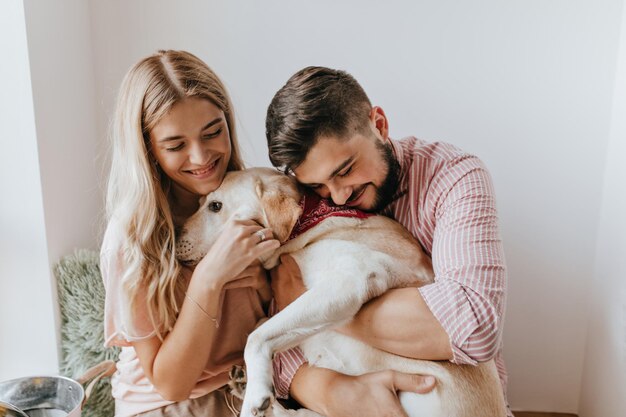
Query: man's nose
x=339 y=194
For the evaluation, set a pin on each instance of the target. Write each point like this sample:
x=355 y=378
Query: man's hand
x=375 y=394
x=370 y=395
x=286 y=282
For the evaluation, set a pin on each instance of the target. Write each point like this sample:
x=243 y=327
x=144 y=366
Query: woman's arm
x=175 y=364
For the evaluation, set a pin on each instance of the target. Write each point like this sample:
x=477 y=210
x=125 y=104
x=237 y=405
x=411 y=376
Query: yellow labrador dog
x=344 y=262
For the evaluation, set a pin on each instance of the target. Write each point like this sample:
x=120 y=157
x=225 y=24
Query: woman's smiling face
x=191 y=144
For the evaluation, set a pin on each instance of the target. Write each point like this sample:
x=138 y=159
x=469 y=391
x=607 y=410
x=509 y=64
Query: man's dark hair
x=315 y=102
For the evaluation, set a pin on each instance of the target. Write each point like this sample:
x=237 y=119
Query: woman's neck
x=182 y=203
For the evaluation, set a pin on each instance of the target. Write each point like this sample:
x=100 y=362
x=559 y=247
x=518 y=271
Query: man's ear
x=280 y=199
x=380 y=122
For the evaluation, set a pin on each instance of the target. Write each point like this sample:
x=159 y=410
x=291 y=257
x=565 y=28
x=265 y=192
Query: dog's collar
x=315 y=209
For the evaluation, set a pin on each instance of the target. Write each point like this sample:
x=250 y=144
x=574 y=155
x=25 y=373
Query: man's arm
x=466 y=301
x=400 y=322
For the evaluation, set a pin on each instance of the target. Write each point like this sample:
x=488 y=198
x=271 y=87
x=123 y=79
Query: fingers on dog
x=266 y=246
x=250 y=230
x=257 y=238
x=420 y=384
x=263 y=234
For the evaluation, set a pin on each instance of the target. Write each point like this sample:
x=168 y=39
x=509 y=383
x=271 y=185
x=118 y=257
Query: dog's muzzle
x=185 y=253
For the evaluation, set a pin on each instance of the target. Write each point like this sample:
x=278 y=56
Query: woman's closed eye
x=178 y=147
x=207 y=135
x=210 y=135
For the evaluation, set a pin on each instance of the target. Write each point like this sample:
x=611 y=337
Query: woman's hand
x=237 y=246
x=174 y=364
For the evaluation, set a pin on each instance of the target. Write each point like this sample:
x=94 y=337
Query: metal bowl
x=50 y=396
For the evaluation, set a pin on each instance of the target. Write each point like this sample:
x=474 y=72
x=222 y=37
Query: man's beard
x=389 y=187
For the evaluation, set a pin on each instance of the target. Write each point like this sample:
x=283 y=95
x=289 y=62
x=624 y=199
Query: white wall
x=603 y=390
x=525 y=85
x=60 y=51
x=27 y=335
x=53 y=199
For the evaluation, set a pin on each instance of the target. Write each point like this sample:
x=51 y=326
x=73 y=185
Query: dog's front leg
x=317 y=309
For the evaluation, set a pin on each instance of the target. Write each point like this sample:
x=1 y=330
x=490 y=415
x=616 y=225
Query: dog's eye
x=215 y=206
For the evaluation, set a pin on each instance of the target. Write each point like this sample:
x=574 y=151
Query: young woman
x=181 y=330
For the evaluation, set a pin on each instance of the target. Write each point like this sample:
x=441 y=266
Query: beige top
x=133 y=392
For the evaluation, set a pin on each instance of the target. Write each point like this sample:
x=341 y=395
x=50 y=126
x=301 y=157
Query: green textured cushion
x=81 y=301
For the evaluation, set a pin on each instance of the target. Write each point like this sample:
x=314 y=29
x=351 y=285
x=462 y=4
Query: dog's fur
x=344 y=263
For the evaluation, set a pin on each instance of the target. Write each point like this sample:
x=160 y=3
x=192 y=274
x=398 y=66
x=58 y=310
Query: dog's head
x=260 y=194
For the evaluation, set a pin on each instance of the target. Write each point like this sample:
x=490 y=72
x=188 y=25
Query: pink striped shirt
x=446 y=200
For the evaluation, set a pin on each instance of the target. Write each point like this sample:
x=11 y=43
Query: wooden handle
x=94 y=374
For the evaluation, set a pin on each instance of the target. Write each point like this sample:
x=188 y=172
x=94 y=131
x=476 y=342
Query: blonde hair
x=137 y=190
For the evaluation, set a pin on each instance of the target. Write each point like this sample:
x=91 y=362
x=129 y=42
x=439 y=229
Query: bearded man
x=322 y=129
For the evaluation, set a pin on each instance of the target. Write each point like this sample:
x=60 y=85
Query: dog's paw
x=237 y=383
x=261 y=407
x=259 y=401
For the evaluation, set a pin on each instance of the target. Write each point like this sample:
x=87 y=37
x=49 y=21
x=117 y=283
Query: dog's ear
x=280 y=199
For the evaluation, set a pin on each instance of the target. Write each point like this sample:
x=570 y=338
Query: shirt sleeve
x=285 y=364
x=122 y=324
x=468 y=295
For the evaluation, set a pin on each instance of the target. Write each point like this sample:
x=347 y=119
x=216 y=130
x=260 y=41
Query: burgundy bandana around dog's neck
x=315 y=209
